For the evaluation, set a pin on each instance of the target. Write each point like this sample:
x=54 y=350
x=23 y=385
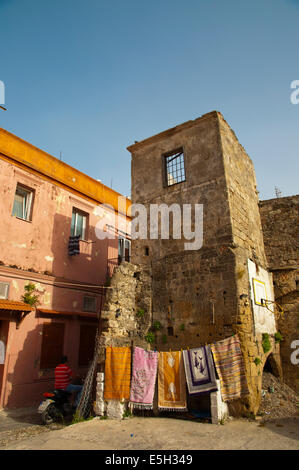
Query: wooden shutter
x=52 y=345
x=87 y=343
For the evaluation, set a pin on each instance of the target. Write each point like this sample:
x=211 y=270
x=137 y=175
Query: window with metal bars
x=89 y=303
x=174 y=168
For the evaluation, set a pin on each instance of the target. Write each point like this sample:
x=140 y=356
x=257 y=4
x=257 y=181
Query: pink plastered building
x=43 y=203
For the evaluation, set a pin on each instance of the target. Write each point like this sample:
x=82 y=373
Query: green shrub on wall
x=150 y=337
x=157 y=326
x=29 y=297
x=266 y=342
x=278 y=337
x=140 y=313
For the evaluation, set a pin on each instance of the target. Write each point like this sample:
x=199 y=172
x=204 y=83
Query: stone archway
x=273 y=365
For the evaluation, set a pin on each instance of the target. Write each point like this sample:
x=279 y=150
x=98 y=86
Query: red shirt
x=63 y=375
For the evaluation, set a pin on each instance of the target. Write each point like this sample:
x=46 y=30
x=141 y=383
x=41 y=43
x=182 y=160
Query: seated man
x=63 y=378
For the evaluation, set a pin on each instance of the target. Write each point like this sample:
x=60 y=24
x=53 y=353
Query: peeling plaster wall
x=41 y=245
x=37 y=251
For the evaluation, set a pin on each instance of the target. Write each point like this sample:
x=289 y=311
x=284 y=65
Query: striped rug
x=117 y=373
x=230 y=368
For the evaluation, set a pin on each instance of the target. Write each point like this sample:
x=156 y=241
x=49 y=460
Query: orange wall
x=35 y=160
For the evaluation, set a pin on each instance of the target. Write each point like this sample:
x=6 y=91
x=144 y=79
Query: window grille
x=89 y=304
x=175 y=168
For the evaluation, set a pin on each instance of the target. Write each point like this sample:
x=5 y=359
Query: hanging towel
x=230 y=367
x=145 y=364
x=200 y=370
x=117 y=373
x=171 y=382
x=74 y=245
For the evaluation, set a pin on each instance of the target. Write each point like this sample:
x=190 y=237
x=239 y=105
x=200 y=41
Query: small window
x=52 y=345
x=79 y=223
x=170 y=330
x=22 y=207
x=89 y=304
x=174 y=168
x=4 y=287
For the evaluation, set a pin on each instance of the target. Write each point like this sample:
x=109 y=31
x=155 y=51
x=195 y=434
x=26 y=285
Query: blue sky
x=89 y=78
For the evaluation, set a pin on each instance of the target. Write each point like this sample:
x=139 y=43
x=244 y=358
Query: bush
x=278 y=337
x=140 y=313
x=150 y=337
x=28 y=297
x=266 y=342
x=157 y=326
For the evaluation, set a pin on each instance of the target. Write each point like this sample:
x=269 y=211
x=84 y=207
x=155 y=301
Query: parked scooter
x=56 y=407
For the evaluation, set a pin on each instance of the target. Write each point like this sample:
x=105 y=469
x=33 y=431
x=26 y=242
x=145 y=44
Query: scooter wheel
x=49 y=415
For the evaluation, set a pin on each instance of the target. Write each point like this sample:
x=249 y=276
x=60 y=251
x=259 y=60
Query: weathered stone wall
x=125 y=320
x=280 y=221
x=248 y=245
x=203 y=295
x=121 y=324
x=194 y=293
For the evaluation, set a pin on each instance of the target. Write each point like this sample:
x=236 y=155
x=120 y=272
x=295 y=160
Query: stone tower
x=205 y=295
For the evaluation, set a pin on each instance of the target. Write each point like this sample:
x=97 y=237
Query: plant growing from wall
x=164 y=339
x=257 y=361
x=150 y=337
x=157 y=325
x=266 y=342
x=278 y=337
x=182 y=327
x=140 y=313
x=29 y=297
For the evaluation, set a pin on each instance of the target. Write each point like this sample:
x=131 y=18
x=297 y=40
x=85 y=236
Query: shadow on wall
x=272 y=366
x=91 y=264
x=23 y=385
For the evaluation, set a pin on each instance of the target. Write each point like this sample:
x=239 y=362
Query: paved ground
x=19 y=424
x=140 y=433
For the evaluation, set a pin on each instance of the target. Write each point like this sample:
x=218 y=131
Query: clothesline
x=197 y=367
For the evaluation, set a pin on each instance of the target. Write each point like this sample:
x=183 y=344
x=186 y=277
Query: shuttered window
x=87 y=343
x=52 y=345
